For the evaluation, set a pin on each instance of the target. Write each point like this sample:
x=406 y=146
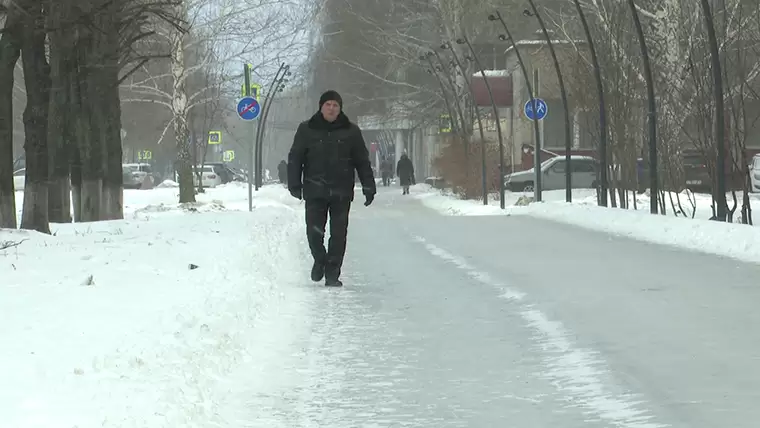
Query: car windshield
x=693 y=161
x=756 y=163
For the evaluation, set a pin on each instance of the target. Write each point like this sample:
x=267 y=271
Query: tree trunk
x=113 y=186
x=89 y=122
x=37 y=79
x=76 y=182
x=60 y=137
x=10 y=49
x=180 y=111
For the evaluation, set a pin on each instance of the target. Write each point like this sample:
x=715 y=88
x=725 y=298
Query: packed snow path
x=513 y=321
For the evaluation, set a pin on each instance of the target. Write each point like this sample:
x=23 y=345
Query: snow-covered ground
x=150 y=321
x=699 y=234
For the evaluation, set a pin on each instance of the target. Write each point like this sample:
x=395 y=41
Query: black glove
x=296 y=192
x=369 y=198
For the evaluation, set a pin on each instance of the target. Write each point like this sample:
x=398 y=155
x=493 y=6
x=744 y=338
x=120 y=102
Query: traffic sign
x=541 y=108
x=145 y=155
x=255 y=90
x=229 y=156
x=215 y=137
x=248 y=108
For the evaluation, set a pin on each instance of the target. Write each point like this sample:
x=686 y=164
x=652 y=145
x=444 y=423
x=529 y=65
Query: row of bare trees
x=676 y=35
x=73 y=54
x=79 y=63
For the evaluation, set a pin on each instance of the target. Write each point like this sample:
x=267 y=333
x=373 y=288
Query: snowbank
x=731 y=240
x=144 y=322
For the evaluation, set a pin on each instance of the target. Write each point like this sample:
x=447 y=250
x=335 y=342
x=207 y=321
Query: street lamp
x=563 y=94
x=283 y=71
x=720 y=192
x=447 y=45
x=465 y=40
x=452 y=116
x=653 y=186
x=537 y=132
x=602 y=106
x=465 y=130
x=463 y=127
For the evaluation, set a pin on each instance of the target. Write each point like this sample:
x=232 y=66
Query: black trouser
x=316 y=220
x=386 y=180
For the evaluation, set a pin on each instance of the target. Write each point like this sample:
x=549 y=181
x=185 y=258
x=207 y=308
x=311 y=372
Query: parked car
x=209 y=176
x=754 y=174
x=130 y=179
x=226 y=173
x=695 y=172
x=584 y=175
x=19 y=179
x=140 y=171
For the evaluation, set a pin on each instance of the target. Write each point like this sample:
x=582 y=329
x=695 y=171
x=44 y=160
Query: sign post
x=248 y=109
x=541 y=111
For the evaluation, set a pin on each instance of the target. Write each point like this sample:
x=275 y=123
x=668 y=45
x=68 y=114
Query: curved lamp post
x=465 y=40
x=447 y=45
x=537 y=152
x=654 y=188
x=433 y=71
x=281 y=73
x=563 y=94
x=602 y=106
x=720 y=192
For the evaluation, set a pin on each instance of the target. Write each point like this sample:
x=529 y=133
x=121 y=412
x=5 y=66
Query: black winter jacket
x=324 y=156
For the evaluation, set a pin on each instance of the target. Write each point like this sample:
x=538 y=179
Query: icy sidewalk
x=107 y=325
x=730 y=240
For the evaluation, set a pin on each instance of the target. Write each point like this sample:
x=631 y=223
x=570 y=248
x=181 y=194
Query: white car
x=584 y=175
x=754 y=174
x=209 y=176
x=139 y=171
x=19 y=179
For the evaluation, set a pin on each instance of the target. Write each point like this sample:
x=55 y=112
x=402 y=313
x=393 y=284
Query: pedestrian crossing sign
x=215 y=137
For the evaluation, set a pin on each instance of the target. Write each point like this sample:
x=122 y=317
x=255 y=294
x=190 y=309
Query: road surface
x=518 y=322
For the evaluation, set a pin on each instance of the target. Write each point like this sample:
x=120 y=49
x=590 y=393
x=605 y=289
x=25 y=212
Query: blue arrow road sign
x=248 y=108
x=541 y=108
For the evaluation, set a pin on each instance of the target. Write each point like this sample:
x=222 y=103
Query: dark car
x=695 y=173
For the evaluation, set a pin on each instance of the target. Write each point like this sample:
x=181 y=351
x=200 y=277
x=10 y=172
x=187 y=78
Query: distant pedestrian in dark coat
x=282 y=172
x=405 y=172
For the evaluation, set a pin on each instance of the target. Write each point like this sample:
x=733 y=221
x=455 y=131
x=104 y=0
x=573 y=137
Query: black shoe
x=317 y=271
x=333 y=282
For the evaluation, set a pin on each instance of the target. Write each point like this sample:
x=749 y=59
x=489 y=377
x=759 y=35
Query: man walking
x=386 y=171
x=326 y=151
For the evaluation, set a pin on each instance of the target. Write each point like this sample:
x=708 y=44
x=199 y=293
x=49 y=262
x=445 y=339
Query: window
x=693 y=161
x=756 y=163
x=559 y=167
x=582 y=166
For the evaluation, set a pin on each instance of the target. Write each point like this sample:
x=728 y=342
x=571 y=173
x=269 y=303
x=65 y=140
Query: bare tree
x=226 y=31
x=10 y=50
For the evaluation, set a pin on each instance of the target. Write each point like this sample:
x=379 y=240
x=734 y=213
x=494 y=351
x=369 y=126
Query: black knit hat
x=331 y=96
